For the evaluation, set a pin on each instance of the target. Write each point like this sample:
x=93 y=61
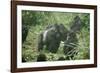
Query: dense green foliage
x=36 y=21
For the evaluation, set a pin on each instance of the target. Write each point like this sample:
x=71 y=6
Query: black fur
x=55 y=33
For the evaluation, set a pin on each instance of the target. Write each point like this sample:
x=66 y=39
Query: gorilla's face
x=62 y=31
x=77 y=24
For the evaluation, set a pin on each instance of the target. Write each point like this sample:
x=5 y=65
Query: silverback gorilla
x=51 y=37
x=71 y=40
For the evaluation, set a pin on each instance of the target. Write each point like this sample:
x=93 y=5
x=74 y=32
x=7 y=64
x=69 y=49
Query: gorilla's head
x=62 y=31
x=77 y=24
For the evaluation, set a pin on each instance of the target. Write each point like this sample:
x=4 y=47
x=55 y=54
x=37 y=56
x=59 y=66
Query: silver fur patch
x=45 y=33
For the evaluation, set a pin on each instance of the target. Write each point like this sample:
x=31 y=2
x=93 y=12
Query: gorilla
x=71 y=40
x=51 y=37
